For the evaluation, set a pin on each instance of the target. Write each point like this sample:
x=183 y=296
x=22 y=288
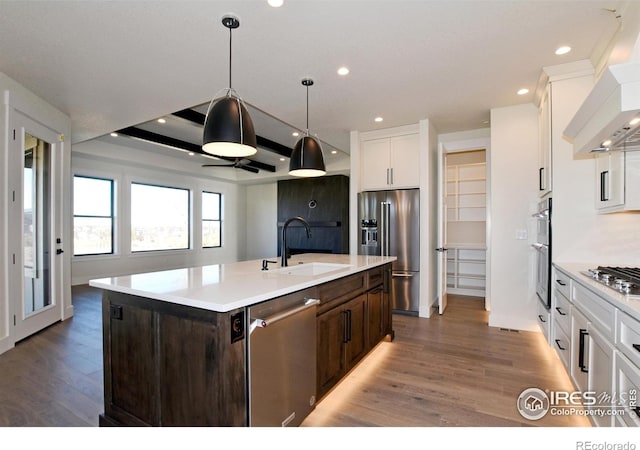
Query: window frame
x=203 y=220
x=112 y=216
x=189 y=220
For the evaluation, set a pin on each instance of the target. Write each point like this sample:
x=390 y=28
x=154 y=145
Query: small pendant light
x=228 y=128
x=306 y=158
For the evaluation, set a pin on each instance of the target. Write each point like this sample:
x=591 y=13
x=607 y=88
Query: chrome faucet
x=283 y=257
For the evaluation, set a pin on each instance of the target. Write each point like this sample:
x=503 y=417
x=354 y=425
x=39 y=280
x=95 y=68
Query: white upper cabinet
x=390 y=162
x=617 y=182
x=544 y=154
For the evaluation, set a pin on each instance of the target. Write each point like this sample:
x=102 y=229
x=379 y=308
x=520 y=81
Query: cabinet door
x=601 y=372
x=332 y=338
x=610 y=180
x=374 y=164
x=132 y=358
x=544 y=154
x=356 y=347
x=405 y=161
x=579 y=349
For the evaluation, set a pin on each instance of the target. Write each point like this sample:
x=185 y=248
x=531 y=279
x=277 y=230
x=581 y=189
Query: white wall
x=123 y=164
x=262 y=221
x=514 y=152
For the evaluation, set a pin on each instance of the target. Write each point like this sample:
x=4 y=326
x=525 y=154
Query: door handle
x=270 y=320
x=402 y=275
x=603 y=191
x=441 y=249
x=540 y=186
x=59 y=251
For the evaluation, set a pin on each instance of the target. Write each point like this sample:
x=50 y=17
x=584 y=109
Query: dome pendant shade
x=228 y=129
x=306 y=159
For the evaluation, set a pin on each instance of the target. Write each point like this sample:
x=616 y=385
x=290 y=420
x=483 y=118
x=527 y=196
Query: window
x=211 y=222
x=159 y=218
x=92 y=216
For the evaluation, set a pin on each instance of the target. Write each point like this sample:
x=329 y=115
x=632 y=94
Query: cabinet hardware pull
x=636 y=346
x=345 y=328
x=581 y=364
x=603 y=195
x=561 y=283
x=559 y=346
x=348 y=325
x=541 y=318
x=560 y=311
x=540 y=179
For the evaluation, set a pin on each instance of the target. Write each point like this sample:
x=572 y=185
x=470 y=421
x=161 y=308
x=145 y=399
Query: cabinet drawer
x=562 y=283
x=544 y=321
x=562 y=311
x=628 y=336
x=599 y=312
x=336 y=292
x=375 y=277
x=628 y=382
x=562 y=345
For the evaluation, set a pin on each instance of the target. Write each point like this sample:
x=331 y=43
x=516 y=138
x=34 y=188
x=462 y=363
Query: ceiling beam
x=179 y=144
x=263 y=142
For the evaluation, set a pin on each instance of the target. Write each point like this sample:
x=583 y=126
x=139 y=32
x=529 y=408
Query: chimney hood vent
x=609 y=118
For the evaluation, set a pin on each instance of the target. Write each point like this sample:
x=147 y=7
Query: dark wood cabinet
x=351 y=323
x=171 y=365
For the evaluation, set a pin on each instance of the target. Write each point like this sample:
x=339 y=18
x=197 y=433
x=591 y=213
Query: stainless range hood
x=609 y=118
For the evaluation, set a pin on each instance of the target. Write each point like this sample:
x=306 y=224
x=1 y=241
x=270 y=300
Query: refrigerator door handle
x=384 y=229
x=402 y=275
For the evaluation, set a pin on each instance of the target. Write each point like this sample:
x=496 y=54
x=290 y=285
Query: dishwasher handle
x=270 y=320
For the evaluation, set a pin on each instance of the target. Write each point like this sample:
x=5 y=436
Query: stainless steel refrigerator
x=390 y=225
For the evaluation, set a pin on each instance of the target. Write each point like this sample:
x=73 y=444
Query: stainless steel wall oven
x=543 y=252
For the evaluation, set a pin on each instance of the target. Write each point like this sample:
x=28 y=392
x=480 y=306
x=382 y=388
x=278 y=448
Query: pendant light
x=228 y=128
x=306 y=158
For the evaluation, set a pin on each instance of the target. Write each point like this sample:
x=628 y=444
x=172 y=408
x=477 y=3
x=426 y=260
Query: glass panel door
x=36 y=171
x=35 y=224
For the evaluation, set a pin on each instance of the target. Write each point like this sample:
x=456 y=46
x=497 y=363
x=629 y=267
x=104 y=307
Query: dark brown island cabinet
x=167 y=364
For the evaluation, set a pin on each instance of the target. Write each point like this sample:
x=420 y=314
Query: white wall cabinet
x=390 y=162
x=544 y=146
x=617 y=181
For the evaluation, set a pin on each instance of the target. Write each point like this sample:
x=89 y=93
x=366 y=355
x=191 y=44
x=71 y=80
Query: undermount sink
x=311 y=269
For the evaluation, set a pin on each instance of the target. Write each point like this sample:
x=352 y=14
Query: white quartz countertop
x=225 y=287
x=630 y=305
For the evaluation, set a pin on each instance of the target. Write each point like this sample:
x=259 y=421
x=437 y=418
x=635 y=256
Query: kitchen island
x=175 y=342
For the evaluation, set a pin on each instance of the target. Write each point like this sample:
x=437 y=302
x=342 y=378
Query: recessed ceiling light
x=523 y=91
x=114 y=134
x=275 y=3
x=563 y=50
x=343 y=71
x=334 y=152
x=378 y=119
x=606 y=143
x=283 y=159
x=161 y=120
x=191 y=153
x=635 y=121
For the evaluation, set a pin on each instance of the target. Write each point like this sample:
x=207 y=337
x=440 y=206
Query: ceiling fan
x=236 y=163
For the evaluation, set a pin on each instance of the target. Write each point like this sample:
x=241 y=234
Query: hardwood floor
x=450 y=370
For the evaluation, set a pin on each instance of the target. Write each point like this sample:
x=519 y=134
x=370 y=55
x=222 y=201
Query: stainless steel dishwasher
x=282 y=360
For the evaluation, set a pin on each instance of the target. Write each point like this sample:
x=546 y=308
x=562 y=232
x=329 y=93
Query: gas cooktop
x=625 y=280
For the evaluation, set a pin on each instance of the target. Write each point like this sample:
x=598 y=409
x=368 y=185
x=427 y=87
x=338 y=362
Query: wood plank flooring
x=450 y=370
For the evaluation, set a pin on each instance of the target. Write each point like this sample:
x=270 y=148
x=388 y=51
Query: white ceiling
x=113 y=64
